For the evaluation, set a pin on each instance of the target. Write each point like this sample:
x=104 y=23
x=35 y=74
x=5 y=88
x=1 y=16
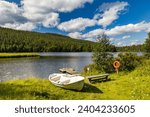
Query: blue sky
x=126 y=22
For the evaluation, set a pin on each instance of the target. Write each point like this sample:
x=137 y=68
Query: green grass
x=126 y=85
x=18 y=55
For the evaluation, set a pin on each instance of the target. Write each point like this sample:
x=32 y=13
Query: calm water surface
x=42 y=67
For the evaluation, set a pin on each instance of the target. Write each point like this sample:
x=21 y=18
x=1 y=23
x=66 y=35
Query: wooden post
x=117 y=71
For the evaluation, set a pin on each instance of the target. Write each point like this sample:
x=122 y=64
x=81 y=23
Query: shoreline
x=18 y=55
x=131 y=85
x=123 y=86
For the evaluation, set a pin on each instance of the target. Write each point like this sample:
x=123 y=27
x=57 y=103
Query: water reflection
x=42 y=67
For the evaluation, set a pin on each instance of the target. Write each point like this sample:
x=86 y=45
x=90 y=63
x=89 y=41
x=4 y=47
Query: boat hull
x=76 y=85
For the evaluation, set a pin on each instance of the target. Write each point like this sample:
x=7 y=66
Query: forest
x=133 y=48
x=24 y=41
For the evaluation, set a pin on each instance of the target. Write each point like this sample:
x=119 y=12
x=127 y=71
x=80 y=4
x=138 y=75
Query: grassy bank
x=130 y=85
x=18 y=55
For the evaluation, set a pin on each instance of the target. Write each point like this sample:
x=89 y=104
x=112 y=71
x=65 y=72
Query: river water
x=41 y=67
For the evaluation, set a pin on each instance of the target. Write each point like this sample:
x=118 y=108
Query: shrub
x=129 y=61
x=103 y=61
x=102 y=56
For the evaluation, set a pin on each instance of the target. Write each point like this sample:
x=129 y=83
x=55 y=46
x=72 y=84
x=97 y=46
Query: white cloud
x=76 y=35
x=120 y=44
x=10 y=13
x=112 y=39
x=93 y=34
x=126 y=37
x=109 y=12
x=20 y=26
x=51 y=20
x=67 y=5
x=36 y=12
x=130 y=28
x=46 y=11
x=75 y=25
x=45 y=6
x=130 y=42
x=87 y=36
x=118 y=30
x=11 y=17
x=90 y=39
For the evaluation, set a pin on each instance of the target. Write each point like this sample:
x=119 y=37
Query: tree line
x=133 y=48
x=24 y=41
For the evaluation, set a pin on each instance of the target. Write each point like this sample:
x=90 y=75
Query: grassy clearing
x=126 y=85
x=18 y=55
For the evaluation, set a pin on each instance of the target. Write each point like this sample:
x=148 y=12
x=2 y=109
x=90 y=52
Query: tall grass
x=18 y=55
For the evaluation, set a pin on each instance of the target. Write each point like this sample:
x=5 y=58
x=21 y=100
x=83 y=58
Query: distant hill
x=24 y=41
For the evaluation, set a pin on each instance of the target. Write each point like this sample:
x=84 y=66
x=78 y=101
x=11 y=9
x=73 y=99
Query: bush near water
x=129 y=61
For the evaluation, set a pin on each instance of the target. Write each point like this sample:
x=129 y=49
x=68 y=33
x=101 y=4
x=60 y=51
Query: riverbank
x=125 y=86
x=18 y=55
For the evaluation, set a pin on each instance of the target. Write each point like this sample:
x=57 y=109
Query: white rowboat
x=67 y=81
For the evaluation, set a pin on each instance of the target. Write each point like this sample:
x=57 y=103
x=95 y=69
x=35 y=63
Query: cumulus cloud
x=10 y=13
x=126 y=37
x=112 y=39
x=44 y=6
x=109 y=12
x=36 y=12
x=118 y=30
x=93 y=34
x=87 y=36
x=46 y=11
x=11 y=17
x=51 y=20
x=75 y=25
x=128 y=43
x=76 y=35
x=20 y=26
x=120 y=44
